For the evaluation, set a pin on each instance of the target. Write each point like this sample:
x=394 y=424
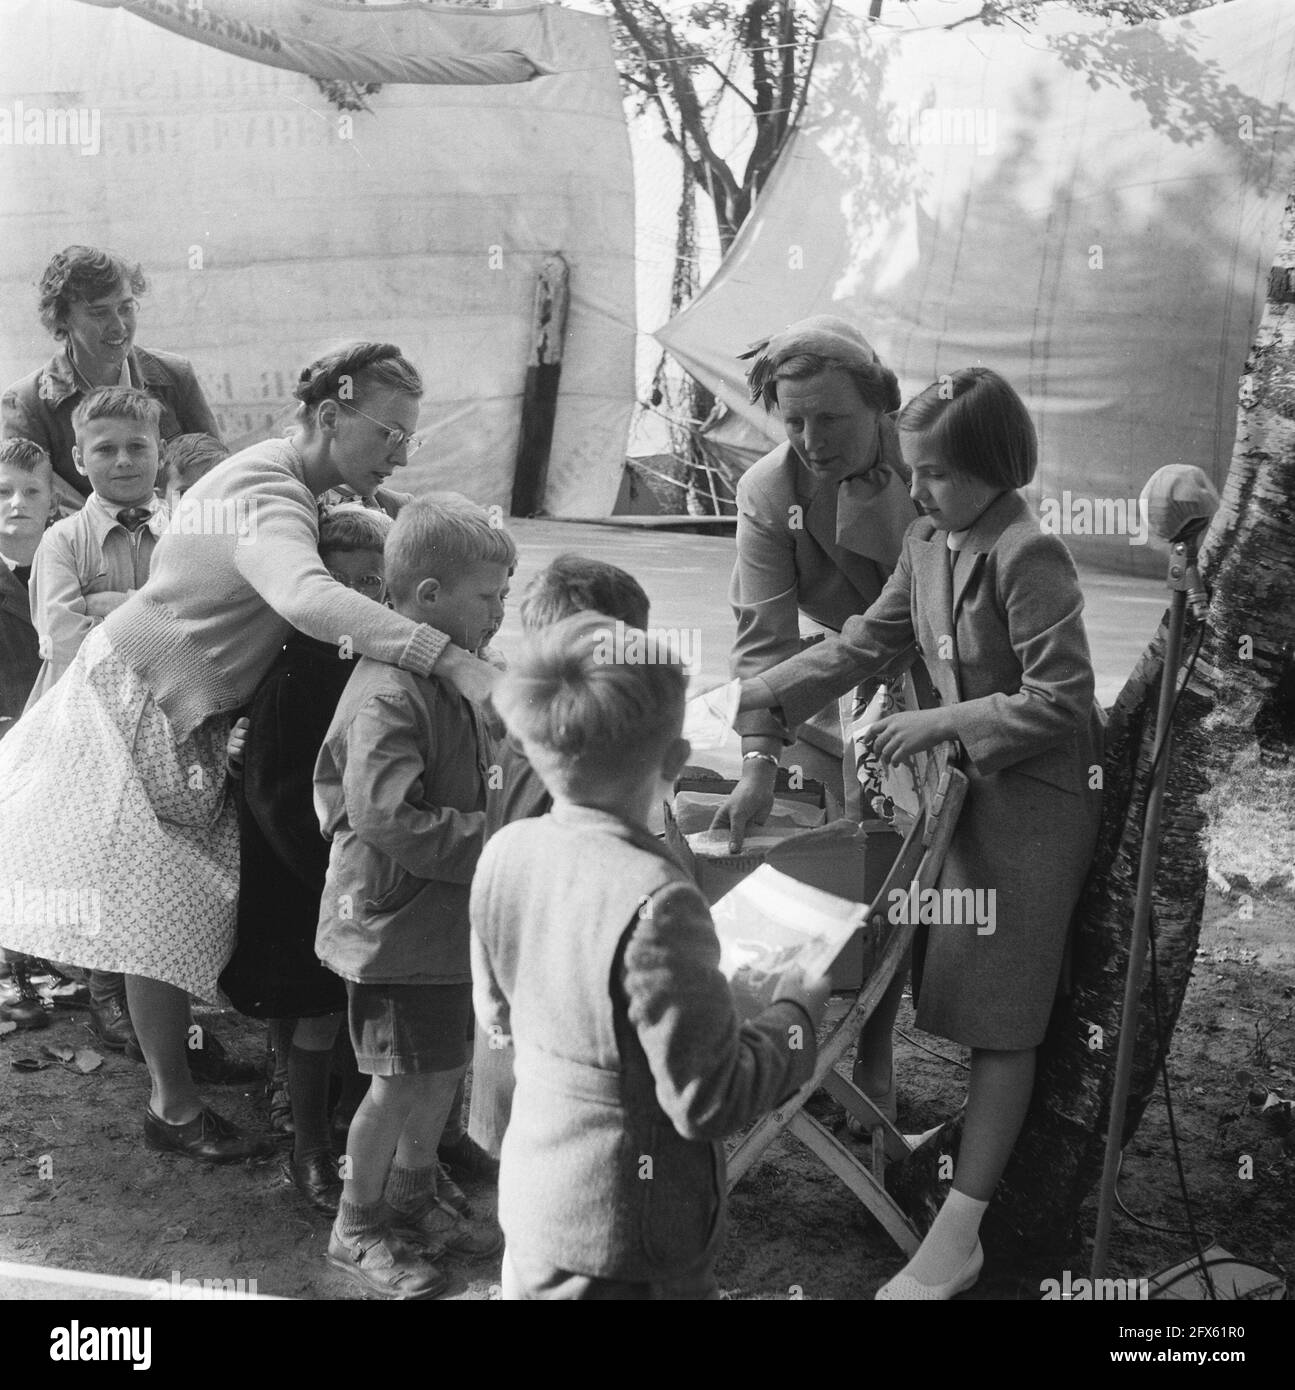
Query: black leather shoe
x=207 y=1135
x=315 y=1177
x=465 y=1158
x=212 y=1064
x=111 y=1024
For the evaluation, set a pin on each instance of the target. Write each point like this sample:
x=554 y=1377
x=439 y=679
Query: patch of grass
x=1252 y=823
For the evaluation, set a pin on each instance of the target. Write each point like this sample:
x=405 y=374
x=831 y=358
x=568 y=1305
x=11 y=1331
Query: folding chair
x=942 y=787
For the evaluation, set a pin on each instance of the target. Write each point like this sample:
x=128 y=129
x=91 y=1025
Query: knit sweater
x=237 y=569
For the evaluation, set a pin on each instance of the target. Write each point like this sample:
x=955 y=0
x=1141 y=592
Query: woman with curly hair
x=89 y=301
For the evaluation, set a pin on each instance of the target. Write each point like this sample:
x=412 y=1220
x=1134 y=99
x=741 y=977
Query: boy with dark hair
x=571 y=584
x=185 y=459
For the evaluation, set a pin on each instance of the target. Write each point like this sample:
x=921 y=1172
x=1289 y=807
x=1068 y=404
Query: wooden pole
x=540 y=393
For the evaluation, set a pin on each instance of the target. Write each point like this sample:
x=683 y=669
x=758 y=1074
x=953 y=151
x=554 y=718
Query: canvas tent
x=271 y=224
x=1091 y=208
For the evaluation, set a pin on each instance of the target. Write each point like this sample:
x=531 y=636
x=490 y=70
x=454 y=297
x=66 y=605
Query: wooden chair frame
x=943 y=787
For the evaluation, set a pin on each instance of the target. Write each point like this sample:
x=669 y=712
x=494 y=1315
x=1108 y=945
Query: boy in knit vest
x=400 y=788
x=595 y=958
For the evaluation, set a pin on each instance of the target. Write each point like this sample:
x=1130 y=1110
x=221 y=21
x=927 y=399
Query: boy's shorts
x=398 y=1030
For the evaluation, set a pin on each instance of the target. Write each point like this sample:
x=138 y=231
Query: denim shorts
x=397 y=1030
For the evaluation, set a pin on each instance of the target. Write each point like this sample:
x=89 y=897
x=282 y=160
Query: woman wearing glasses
x=130 y=815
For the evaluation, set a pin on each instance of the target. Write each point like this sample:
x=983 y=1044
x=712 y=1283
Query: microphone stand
x=1183 y=581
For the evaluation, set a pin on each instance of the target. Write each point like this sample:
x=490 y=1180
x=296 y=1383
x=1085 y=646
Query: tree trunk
x=1248 y=564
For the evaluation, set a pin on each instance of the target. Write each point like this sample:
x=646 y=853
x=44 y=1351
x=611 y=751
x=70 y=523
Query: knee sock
x=308 y=1091
x=354 y=1219
x=409 y=1190
x=105 y=986
x=278 y=1040
x=949 y=1242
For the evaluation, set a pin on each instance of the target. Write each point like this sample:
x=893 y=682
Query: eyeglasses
x=395 y=437
x=370 y=585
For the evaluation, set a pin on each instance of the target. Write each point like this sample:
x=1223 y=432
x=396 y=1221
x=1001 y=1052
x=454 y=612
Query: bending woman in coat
x=114 y=813
x=820 y=525
x=993 y=605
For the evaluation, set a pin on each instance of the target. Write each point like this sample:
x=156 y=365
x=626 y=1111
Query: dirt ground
x=78 y=1190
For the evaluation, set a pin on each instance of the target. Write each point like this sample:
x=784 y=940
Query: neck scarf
x=873 y=509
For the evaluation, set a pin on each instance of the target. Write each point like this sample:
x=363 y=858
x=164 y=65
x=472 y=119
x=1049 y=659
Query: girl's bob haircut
x=976 y=423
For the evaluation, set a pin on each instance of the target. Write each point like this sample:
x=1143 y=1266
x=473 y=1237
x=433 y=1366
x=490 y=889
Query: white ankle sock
x=949 y=1242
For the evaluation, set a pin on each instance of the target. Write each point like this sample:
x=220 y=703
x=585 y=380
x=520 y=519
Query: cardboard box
x=849 y=860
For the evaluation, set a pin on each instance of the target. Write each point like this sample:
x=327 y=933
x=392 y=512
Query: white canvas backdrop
x=267 y=235
x=1091 y=209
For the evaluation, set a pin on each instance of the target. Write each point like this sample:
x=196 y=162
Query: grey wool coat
x=595 y=956
x=1002 y=636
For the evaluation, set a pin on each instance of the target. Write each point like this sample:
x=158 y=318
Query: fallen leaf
x=27 y=1064
x=59 y=1052
x=7 y=1027
x=87 y=1059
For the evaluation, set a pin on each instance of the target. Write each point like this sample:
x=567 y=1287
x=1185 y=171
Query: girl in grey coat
x=992 y=604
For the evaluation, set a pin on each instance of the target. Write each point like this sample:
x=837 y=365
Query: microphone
x=1178 y=502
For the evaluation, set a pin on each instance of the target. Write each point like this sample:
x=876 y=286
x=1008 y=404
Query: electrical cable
x=1163 y=743
x=1141 y=1221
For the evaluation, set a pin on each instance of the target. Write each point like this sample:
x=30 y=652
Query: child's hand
x=473 y=678
x=811 y=994
x=101 y=604
x=235 y=747
x=898 y=738
x=493 y=656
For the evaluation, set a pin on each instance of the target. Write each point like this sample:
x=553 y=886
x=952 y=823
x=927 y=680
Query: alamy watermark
x=944 y=125
x=30 y=905
x=73 y=126
x=1098 y=1290
x=654 y=646
x=181 y=1288
x=944 y=907
x=1078 y=515
x=210 y=516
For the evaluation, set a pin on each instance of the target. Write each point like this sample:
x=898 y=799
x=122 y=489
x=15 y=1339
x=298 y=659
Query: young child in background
x=400 y=789
x=26 y=508
x=994 y=605
x=571 y=584
x=274 y=973
x=90 y=563
x=185 y=459
x=596 y=956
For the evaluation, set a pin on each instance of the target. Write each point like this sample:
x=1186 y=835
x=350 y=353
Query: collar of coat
x=58 y=380
x=931 y=550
